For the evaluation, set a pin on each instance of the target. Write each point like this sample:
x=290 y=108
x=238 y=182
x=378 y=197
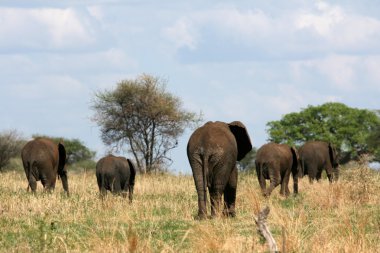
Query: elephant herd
x=213 y=151
x=44 y=160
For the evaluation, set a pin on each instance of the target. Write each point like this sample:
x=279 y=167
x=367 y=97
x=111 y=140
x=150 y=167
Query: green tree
x=76 y=151
x=11 y=144
x=347 y=128
x=141 y=114
x=373 y=141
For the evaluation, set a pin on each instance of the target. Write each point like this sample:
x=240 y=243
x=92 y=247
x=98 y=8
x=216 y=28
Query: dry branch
x=264 y=230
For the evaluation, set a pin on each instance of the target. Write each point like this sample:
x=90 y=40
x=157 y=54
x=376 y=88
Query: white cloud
x=44 y=28
x=372 y=65
x=297 y=33
x=341 y=29
x=182 y=34
x=96 y=11
x=323 y=21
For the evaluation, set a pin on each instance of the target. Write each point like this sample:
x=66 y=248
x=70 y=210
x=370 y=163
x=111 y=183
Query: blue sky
x=252 y=61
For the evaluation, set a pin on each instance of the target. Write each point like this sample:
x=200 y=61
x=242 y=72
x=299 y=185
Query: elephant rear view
x=116 y=174
x=44 y=160
x=316 y=156
x=276 y=162
x=213 y=150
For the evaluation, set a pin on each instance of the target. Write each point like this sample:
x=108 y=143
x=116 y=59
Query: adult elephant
x=316 y=156
x=213 y=150
x=116 y=174
x=276 y=162
x=44 y=160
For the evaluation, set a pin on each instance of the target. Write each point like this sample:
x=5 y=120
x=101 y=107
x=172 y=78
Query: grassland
x=343 y=217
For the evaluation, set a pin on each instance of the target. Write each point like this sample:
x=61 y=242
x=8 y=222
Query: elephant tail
x=205 y=181
x=30 y=167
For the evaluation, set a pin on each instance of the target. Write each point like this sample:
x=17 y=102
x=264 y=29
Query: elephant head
x=243 y=141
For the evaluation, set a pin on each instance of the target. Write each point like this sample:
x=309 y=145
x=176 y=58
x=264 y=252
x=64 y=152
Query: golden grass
x=342 y=217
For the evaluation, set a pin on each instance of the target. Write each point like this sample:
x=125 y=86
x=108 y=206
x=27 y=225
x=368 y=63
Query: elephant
x=316 y=156
x=212 y=151
x=116 y=174
x=44 y=160
x=276 y=162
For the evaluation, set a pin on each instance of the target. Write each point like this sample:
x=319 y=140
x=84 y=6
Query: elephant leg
x=216 y=199
x=65 y=184
x=319 y=175
x=32 y=183
x=48 y=181
x=101 y=185
x=295 y=183
x=285 y=184
x=200 y=186
x=130 y=193
x=116 y=187
x=312 y=173
x=49 y=185
x=275 y=179
x=261 y=178
x=124 y=189
x=230 y=194
x=329 y=172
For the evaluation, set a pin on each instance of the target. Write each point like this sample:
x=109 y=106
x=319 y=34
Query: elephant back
x=40 y=149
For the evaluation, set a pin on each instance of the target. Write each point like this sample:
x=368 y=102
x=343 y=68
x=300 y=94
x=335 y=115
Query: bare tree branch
x=264 y=230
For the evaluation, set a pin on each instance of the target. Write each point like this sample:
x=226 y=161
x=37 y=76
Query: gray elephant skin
x=116 y=174
x=316 y=156
x=276 y=162
x=213 y=150
x=44 y=160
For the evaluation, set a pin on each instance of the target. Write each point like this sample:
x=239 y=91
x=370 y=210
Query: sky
x=252 y=61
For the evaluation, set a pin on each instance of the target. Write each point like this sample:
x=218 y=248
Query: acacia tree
x=347 y=128
x=141 y=114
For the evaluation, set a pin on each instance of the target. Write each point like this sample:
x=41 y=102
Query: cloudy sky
x=246 y=60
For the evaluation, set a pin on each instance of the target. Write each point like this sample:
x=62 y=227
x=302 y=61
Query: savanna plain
x=341 y=217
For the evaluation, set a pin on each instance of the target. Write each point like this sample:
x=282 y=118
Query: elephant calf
x=44 y=160
x=116 y=174
x=275 y=162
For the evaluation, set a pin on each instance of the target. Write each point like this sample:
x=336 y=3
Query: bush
x=11 y=144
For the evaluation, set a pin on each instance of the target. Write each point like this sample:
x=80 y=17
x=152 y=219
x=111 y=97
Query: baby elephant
x=276 y=162
x=116 y=174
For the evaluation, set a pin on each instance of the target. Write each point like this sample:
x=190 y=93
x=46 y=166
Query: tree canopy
x=76 y=151
x=347 y=128
x=141 y=114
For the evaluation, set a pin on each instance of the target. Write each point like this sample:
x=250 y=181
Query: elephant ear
x=242 y=138
x=296 y=159
x=133 y=172
x=62 y=159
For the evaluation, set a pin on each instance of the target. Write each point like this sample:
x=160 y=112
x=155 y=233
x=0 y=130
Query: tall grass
x=342 y=217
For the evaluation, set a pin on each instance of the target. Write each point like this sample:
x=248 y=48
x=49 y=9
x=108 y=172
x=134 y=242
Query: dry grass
x=343 y=217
